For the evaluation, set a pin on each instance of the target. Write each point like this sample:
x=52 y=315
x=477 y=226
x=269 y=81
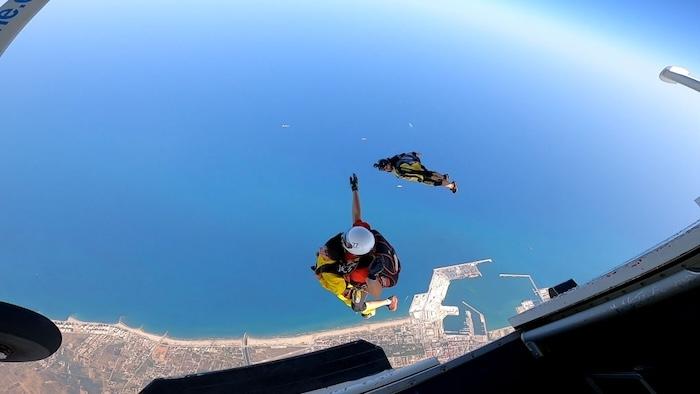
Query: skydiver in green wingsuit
x=408 y=166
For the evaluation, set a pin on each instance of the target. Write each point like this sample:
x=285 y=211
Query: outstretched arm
x=356 y=211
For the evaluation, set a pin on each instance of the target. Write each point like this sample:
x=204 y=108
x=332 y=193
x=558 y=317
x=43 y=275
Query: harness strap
x=331 y=268
x=407 y=158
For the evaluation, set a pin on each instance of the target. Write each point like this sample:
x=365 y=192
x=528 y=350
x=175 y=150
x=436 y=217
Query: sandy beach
x=291 y=340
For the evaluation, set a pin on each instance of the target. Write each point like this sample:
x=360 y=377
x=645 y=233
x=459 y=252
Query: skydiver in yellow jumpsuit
x=358 y=263
x=409 y=167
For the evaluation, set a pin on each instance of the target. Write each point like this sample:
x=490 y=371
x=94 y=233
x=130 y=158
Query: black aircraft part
x=562 y=288
x=649 y=349
x=26 y=335
x=297 y=374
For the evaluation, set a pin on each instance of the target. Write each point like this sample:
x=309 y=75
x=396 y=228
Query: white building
x=525 y=305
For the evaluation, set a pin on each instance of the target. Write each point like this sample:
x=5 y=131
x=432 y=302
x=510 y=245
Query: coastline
x=425 y=307
x=301 y=339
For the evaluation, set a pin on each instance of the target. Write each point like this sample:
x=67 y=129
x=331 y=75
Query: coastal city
x=115 y=358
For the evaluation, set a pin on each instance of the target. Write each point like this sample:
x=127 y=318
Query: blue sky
x=670 y=24
x=144 y=172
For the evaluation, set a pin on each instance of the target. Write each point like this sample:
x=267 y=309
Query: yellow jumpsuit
x=337 y=284
x=416 y=172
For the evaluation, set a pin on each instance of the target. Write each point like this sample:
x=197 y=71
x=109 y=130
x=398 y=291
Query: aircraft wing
x=14 y=15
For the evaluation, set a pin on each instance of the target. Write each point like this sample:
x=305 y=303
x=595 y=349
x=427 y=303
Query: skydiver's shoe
x=394 y=303
x=454 y=186
x=368 y=314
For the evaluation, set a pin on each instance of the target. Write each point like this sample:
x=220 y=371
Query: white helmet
x=358 y=240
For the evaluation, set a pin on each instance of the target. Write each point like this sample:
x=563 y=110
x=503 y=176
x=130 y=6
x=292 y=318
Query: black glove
x=353 y=182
